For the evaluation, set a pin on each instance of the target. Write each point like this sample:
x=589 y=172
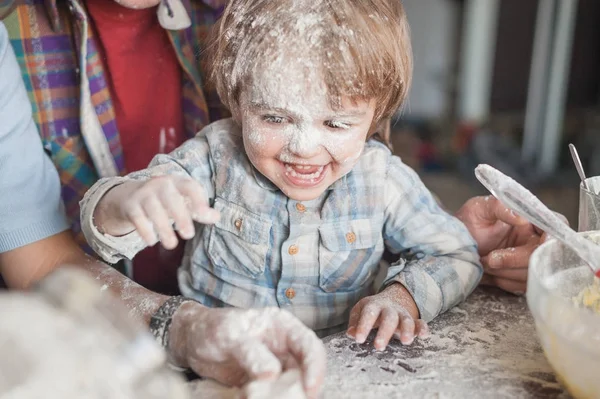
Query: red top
x=145 y=84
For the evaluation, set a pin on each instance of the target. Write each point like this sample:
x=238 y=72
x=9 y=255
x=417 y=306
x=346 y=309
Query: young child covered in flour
x=291 y=202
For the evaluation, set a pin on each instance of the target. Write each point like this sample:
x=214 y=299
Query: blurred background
x=505 y=82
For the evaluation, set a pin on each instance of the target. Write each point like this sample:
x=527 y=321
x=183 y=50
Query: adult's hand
x=505 y=241
x=234 y=346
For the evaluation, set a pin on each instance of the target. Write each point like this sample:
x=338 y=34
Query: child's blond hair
x=360 y=47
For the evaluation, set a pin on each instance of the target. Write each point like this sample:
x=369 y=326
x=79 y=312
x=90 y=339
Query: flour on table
x=485 y=347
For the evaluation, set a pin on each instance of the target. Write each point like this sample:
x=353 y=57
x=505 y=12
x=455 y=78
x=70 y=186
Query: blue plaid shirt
x=316 y=258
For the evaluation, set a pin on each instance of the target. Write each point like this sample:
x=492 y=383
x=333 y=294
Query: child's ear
x=236 y=115
x=381 y=131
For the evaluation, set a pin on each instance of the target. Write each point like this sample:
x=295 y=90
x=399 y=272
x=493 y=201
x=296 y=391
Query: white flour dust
x=486 y=347
x=139 y=303
x=255 y=335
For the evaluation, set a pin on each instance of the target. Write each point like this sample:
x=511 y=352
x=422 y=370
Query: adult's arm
x=34 y=232
x=31 y=208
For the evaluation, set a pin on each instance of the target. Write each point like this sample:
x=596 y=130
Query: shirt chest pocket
x=239 y=241
x=349 y=254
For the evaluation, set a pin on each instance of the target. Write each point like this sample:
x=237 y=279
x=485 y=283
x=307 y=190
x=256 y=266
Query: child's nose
x=305 y=143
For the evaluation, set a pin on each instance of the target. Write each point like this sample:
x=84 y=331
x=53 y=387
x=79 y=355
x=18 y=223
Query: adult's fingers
x=257 y=360
x=308 y=352
x=228 y=373
x=512 y=286
x=511 y=274
x=509 y=258
x=494 y=209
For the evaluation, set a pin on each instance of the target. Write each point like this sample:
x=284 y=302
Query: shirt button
x=238 y=223
x=293 y=249
x=290 y=293
x=300 y=207
x=350 y=237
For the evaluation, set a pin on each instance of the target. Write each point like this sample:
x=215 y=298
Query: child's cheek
x=263 y=143
x=350 y=160
x=345 y=149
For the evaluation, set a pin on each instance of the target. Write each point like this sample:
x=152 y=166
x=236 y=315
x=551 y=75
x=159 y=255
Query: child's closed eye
x=337 y=125
x=274 y=119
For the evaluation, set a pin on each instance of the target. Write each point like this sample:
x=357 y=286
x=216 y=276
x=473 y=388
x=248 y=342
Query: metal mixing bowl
x=570 y=335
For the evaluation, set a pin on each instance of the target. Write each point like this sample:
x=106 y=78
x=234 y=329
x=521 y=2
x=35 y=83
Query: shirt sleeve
x=438 y=260
x=192 y=159
x=31 y=207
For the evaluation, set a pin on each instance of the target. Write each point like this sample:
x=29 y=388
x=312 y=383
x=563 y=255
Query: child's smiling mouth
x=305 y=175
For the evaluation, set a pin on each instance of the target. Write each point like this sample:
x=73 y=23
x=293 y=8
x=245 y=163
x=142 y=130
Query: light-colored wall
x=435 y=28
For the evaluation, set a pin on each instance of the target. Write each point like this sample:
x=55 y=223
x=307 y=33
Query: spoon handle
x=522 y=201
x=578 y=165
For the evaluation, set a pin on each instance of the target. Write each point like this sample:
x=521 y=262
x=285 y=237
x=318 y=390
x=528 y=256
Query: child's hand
x=395 y=313
x=151 y=207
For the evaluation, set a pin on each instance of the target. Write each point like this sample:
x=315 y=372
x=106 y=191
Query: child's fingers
x=354 y=318
x=200 y=211
x=135 y=214
x=174 y=203
x=160 y=219
x=422 y=329
x=388 y=322
x=407 y=329
x=368 y=317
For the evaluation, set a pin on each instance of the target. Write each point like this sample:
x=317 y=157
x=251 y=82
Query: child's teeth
x=292 y=171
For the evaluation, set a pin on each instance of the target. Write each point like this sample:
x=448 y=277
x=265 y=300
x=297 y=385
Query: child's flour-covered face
x=294 y=137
